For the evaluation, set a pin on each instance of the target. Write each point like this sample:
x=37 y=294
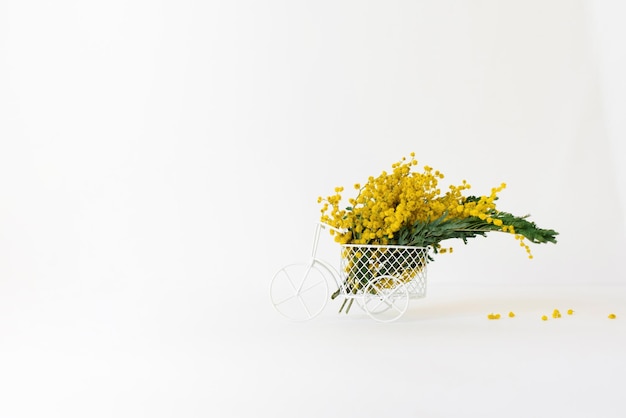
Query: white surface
x=444 y=358
x=159 y=161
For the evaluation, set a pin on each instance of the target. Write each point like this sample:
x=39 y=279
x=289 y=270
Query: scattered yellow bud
x=544 y=318
x=511 y=314
x=497 y=316
x=612 y=316
x=556 y=314
x=570 y=311
x=493 y=316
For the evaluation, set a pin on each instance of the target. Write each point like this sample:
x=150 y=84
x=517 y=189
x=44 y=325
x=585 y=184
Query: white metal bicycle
x=381 y=278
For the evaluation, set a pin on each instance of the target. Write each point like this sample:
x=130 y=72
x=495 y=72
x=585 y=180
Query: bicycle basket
x=363 y=264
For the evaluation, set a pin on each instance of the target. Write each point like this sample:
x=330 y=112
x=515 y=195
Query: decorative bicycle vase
x=388 y=229
x=380 y=278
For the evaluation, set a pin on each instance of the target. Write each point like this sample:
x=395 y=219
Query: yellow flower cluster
x=555 y=314
x=393 y=201
x=497 y=315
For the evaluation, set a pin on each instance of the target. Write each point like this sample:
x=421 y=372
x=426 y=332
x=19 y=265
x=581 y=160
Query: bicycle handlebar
x=320 y=226
x=339 y=231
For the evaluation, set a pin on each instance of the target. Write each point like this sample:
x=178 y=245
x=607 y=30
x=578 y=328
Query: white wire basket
x=362 y=265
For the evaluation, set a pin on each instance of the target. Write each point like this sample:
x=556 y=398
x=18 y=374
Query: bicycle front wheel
x=299 y=291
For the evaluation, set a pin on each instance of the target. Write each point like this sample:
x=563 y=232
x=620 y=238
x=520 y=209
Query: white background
x=160 y=160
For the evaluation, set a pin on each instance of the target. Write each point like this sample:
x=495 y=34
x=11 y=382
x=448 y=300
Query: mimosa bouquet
x=407 y=208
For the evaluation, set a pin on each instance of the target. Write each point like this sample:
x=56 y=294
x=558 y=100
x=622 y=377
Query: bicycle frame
x=316 y=237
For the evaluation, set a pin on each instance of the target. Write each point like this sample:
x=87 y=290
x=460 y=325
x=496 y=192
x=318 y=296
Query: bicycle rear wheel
x=385 y=299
